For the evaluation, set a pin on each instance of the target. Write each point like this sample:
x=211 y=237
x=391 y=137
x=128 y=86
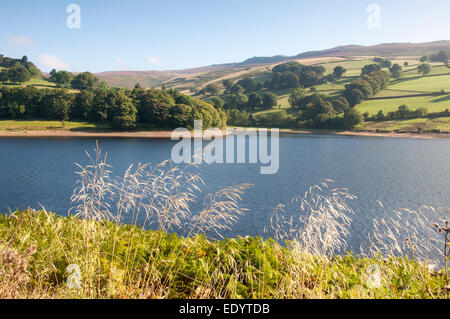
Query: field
x=423 y=84
x=432 y=103
x=442 y=124
x=18 y=125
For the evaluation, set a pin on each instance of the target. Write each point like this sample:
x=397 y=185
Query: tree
x=4 y=75
x=154 y=106
x=354 y=97
x=352 y=117
x=122 y=112
x=442 y=56
x=406 y=63
x=182 y=116
x=340 y=105
x=269 y=100
x=396 y=71
x=317 y=109
x=287 y=80
x=82 y=106
x=254 y=101
x=236 y=89
x=227 y=83
x=424 y=59
x=211 y=89
x=57 y=104
x=61 y=78
x=366 y=70
x=339 y=72
x=18 y=74
x=296 y=96
x=248 y=84
x=424 y=68
x=85 y=81
x=235 y=101
x=216 y=101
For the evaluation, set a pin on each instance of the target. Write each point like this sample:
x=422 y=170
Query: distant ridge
x=385 y=49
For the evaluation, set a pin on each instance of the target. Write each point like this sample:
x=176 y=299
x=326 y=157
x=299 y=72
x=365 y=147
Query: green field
x=432 y=103
x=442 y=124
x=18 y=125
x=424 y=84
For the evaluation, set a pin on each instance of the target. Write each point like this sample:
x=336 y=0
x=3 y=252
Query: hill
x=193 y=79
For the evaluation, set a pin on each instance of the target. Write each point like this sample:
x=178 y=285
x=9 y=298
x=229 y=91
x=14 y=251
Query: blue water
x=400 y=173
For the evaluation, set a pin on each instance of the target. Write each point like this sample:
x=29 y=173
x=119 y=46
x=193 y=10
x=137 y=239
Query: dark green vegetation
x=331 y=94
x=121 y=108
x=17 y=71
x=94 y=102
x=116 y=261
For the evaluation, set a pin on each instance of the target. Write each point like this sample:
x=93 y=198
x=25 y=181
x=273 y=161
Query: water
x=400 y=173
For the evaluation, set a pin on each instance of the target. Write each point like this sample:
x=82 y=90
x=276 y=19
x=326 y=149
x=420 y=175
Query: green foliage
x=254 y=101
x=339 y=71
x=424 y=68
x=61 y=78
x=123 y=109
x=128 y=262
x=396 y=71
x=17 y=74
x=269 y=100
x=352 y=117
x=84 y=81
x=293 y=74
x=248 y=84
x=122 y=113
x=370 y=68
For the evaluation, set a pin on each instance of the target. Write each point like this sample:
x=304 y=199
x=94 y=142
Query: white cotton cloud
x=153 y=60
x=53 y=62
x=20 y=40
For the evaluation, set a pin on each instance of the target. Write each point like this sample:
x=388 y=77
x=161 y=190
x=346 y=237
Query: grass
x=168 y=266
x=432 y=103
x=442 y=124
x=36 y=125
x=35 y=81
x=424 y=84
x=92 y=254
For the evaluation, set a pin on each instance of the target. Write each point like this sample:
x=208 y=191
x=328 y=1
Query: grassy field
x=432 y=103
x=18 y=125
x=424 y=84
x=442 y=124
x=38 y=82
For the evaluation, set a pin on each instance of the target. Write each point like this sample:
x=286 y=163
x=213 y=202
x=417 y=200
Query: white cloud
x=53 y=62
x=153 y=60
x=20 y=40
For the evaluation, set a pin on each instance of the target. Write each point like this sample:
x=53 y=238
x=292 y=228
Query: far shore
x=167 y=134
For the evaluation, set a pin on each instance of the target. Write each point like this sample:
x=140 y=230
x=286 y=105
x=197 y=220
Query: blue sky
x=176 y=34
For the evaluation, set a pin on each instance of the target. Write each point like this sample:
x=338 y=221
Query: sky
x=178 y=34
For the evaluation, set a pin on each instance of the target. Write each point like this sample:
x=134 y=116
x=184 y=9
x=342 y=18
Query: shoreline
x=167 y=134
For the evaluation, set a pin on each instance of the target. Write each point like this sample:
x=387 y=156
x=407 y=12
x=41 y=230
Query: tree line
x=121 y=108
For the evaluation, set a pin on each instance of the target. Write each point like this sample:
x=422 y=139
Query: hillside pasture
x=432 y=103
x=423 y=84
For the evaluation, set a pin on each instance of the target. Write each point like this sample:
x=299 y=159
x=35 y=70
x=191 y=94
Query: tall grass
x=144 y=258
